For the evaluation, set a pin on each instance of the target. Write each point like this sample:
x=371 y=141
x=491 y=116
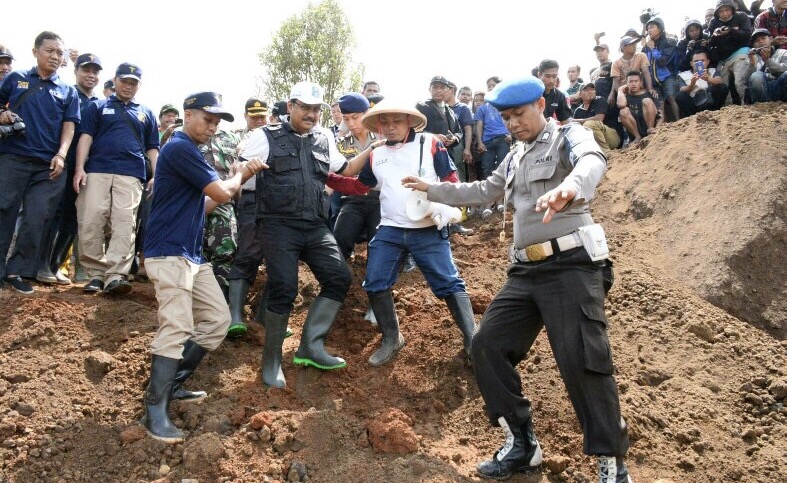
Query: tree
x=315 y=46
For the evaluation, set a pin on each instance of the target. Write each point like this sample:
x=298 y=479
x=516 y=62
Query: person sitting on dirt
x=701 y=87
x=637 y=109
x=767 y=69
x=591 y=113
x=193 y=316
x=406 y=152
x=557 y=281
x=730 y=34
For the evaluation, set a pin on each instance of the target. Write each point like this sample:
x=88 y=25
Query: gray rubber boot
x=157 y=398
x=462 y=312
x=192 y=356
x=275 y=330
x=382 y=304
x=238 y=291
x=311 y=352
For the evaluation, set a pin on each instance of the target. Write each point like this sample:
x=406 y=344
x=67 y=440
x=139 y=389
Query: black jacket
x=723 y=46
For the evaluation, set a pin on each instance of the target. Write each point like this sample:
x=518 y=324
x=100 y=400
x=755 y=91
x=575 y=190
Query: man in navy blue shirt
x=116 y=135
x=193 y=315
x=32 y=163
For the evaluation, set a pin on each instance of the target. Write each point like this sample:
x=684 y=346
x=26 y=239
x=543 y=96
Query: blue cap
x=208 y=102
x=86 y=59
x=515 y=92
x=353 y=102
x=128 y=71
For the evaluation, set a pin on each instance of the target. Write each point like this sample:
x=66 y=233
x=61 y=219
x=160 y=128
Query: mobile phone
x=178 y=122
x=700 y=66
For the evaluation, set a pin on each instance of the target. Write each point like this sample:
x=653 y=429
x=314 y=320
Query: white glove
x=444 y=214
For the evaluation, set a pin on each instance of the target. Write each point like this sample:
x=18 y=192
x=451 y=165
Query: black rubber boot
x=262 y=309
x=275 y=330
x=612 y=469
x=62 y=244
x=311 y=351
x=45 y=274
x=462 y=312
x=459 y=229
x=521 y=452
x=157 y=399
x=192 y=356
x=238 y=291
x=382 y=304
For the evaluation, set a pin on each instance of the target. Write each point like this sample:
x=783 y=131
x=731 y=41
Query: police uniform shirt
x=257 y=147
x=177 y=217
x=116 y=149
x=43 y=112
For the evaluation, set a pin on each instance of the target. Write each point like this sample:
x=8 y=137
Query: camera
x=16 y=128
x=647 y=15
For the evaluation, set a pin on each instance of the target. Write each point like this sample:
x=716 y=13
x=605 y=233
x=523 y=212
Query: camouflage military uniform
x=221 y=227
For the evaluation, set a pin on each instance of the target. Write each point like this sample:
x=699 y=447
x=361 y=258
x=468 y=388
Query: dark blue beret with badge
x=353 y=102
x=208 y=102
x=515 y=92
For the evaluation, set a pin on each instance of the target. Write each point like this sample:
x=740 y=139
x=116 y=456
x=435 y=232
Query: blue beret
x=353 y=102
x=515 y=92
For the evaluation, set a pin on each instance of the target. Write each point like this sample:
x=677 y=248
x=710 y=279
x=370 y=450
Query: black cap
x=374 y=99
x=438 y=79
x=168 y=108
x=280 y=108
x=208 y=102
x=255 y=107
x=110 y=84
x=86 y=59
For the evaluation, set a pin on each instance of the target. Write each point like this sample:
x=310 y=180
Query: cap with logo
x=168 y=108
x=515 y=92
x=760 y=33
x=353 y=102
x=208 y=102
x=438 y=79
x=255 y=107
x=601 y=47
x=128 y=71
x=86 y=59
x=308 y=93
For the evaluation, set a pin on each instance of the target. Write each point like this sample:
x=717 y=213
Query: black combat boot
x=612 y=469
x=462 y=311
x=275 y=331
x=384 y=310
x=311 y=351
x=192 y=356
x=238 y=291
x=521 y=452
x=157 y=399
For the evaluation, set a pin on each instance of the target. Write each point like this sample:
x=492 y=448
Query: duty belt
x=541 y=251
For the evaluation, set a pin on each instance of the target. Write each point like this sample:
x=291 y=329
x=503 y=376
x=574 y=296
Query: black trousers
x=284 y=244
x=248 y=257
x=564 y=295
x=358 y=215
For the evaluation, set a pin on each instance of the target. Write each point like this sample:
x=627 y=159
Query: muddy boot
x=275 y=331
x=192 y=356
x=521 y=452
x=157 y=398
x=318 y=322
x=383 y=306
x=462 y=312
x=612 y=469
x=238 y=291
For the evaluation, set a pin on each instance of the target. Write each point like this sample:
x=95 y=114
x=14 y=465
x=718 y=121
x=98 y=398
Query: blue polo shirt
x=493 y=123
x=116 y=149
x=177 y=217
x=84 y=102
x=43 y=112
x=463 y=115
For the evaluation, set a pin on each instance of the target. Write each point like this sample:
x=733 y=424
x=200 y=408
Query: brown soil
x=692 y=218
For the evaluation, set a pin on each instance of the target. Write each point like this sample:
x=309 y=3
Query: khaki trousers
x=606 y=137
x=190 y=306
x=108 y=199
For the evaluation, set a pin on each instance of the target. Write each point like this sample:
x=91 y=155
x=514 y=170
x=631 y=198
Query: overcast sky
x=183 y=49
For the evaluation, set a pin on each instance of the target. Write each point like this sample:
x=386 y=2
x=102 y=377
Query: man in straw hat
x=557 y=281
x=409 y=152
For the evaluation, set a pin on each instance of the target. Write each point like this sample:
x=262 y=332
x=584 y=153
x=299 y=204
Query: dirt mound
x=703 y=391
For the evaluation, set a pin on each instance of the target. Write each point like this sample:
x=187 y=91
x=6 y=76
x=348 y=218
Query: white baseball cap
x=308 y=93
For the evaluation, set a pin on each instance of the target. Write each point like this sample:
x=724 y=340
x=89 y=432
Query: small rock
x=164 y=470
x=132 y=434
x=203 y=451
x=259 y=420
x=98 y=364
x=25 y=409
x=557 y=464
x=391 y=432
x=779 y=388
x=297 y=471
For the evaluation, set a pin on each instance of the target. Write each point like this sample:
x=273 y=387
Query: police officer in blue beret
x=193 y=316
x=557 y=281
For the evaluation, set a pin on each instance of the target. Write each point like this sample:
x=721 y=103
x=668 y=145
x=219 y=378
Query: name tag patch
x=107 y=111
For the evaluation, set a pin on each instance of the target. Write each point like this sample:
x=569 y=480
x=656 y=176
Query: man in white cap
x=292 y=214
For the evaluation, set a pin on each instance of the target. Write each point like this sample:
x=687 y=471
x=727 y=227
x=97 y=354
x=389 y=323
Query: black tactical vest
x=293 y=185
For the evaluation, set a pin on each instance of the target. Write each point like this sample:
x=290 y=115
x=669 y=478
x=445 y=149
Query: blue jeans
x=431 y=251
x=496 y=150
x=761 y=89
x=25 y=179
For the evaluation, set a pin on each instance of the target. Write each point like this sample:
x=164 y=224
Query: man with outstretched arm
x=556 y=282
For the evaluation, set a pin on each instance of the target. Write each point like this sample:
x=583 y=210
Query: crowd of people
x=198 y=209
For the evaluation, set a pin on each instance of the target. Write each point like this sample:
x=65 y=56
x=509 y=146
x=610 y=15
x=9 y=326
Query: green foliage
x=315 y=46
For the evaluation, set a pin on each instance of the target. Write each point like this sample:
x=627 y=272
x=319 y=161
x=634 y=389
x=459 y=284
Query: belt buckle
x=535 y=253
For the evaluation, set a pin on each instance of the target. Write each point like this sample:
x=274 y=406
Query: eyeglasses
x=315 y=109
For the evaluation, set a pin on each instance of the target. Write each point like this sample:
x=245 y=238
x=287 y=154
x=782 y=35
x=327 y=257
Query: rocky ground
x=697 y=320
